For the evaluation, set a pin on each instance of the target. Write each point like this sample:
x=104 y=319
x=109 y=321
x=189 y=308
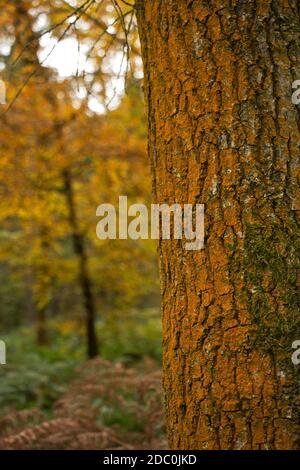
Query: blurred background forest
x=80 y=316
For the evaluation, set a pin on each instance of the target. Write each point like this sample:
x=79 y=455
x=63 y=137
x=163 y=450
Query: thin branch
x=78 y=57
x=105 y=31
x=37 y=68
x=49 y=30
x=127 y=3
x=80 y=11
x=126 y=33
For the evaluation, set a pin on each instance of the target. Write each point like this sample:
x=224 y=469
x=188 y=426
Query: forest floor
x=51 y=397
x=105 y=405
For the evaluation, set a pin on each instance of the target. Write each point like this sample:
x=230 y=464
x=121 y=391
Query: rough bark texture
x=224 y=132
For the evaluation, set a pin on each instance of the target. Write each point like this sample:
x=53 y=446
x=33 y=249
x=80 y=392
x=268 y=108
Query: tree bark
x=224 y=132
x=84 y=279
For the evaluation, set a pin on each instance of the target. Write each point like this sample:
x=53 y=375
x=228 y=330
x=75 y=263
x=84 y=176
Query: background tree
x=224 y=132
x=59 y=160
x=48 y=132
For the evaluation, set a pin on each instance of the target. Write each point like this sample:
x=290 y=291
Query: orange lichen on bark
x=224 y=132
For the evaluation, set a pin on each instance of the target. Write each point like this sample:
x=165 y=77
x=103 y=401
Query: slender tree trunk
x=84 y=279
x=223 y=131
x=42 y=288
x=41 y=328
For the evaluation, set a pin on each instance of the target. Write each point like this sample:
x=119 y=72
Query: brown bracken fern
x=108 y=406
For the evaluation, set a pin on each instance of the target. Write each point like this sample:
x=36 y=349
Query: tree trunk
x=42 y=287
x=41 y=327
x=224 y=132
x=84 y=279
